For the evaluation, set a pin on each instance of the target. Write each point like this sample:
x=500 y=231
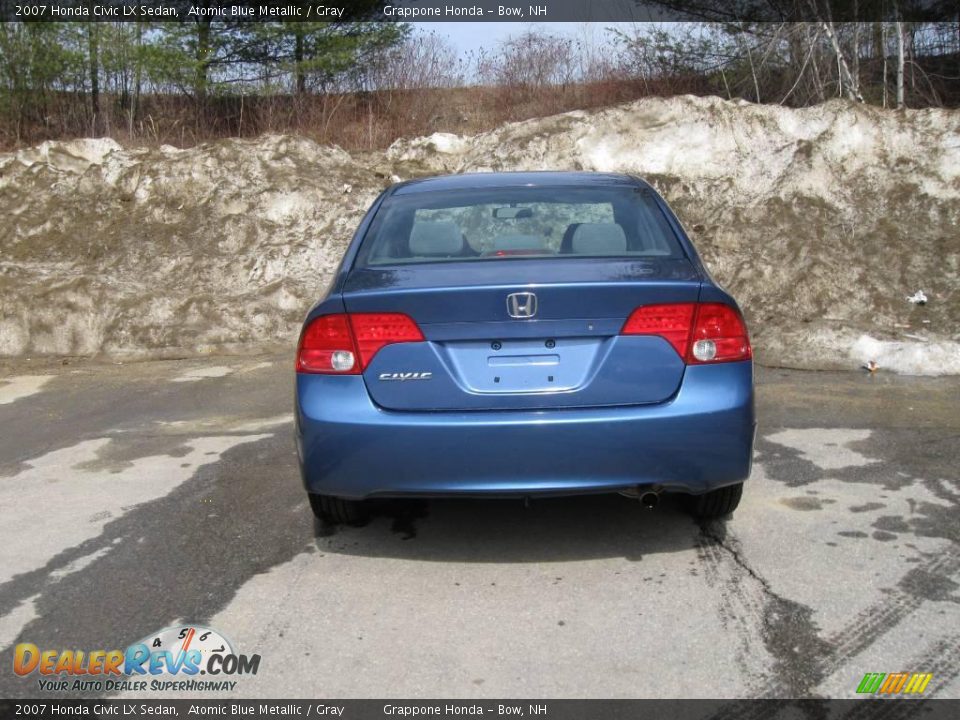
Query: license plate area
x=523 y=366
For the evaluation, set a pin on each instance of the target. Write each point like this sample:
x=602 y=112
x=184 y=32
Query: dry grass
x=354 y=121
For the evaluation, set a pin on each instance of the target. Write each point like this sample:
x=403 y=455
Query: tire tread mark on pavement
x=943 y=659
x=741 y=605
x=886 y=613
x=798 y=671
x=786 y=626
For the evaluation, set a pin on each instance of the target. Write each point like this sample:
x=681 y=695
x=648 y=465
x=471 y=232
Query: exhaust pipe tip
x=650 y=500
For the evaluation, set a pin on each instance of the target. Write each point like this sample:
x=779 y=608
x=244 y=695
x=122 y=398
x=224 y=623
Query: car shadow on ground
x=187 y=553
x=510 y=531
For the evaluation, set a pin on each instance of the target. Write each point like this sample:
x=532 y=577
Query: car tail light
x=719 y=335
x=344 y=344
x=327 y=346
x=671 y=322
x=374 y=330
x=699 y=332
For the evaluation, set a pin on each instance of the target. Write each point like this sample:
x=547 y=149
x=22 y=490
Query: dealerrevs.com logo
x=185 y=658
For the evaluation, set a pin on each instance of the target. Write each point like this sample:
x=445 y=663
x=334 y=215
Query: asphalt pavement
x=140 y=496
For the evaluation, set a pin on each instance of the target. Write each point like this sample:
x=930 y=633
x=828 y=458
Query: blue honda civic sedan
x=521 y=335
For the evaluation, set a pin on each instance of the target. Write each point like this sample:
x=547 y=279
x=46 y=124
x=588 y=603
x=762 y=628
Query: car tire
x=338 y=510
x=717 y=503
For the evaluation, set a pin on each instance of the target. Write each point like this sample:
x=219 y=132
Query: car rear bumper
x=700 y=440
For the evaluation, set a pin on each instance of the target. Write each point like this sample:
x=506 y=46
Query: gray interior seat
x=435 y=239
x=599 y=238
x=518 y=242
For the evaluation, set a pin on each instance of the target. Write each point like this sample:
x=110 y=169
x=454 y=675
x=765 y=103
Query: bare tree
x=93 y=60
x=422 y=61
x=852 y=87
x=531 y=60
x=900 y=65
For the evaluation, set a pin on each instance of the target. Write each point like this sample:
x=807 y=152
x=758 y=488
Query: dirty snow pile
x=169 y=252
x=825 y=223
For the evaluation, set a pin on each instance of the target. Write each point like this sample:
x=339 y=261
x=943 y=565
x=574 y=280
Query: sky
x=471 y=36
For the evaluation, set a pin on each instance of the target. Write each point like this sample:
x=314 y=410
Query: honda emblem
x=521 y=305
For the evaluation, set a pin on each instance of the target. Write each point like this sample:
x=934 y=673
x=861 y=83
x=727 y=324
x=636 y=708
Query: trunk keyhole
x=551 y=344
x=495 y=345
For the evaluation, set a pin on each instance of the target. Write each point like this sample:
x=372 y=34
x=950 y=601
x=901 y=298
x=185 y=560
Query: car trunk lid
x=486 y=348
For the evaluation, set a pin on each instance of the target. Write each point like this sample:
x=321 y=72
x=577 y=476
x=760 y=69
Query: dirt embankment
x=821 y=221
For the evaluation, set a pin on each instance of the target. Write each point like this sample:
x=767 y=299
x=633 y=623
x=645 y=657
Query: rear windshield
x=504 y=223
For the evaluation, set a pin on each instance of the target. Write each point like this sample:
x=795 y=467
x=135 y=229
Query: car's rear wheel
x=717 y=503
x=338 y=510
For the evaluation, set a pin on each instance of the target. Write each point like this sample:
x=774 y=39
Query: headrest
x=599 y=238
x=435 y=238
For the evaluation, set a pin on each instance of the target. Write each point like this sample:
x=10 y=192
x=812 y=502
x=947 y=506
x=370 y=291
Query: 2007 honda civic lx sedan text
x=523 y=334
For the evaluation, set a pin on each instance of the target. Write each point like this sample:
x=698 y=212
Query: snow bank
x=69 y=156
x=170 y=252
x=909 y=358
x=822 y=221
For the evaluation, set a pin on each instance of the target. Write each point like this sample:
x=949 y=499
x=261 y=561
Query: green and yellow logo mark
x=894 y=683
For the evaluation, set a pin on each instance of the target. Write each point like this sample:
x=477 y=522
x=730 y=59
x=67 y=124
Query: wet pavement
x=140 y=496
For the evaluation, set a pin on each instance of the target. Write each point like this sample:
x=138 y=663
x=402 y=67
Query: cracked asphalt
x=140 y=496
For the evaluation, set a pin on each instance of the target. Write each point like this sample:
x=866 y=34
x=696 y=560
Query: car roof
x=487 y=180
